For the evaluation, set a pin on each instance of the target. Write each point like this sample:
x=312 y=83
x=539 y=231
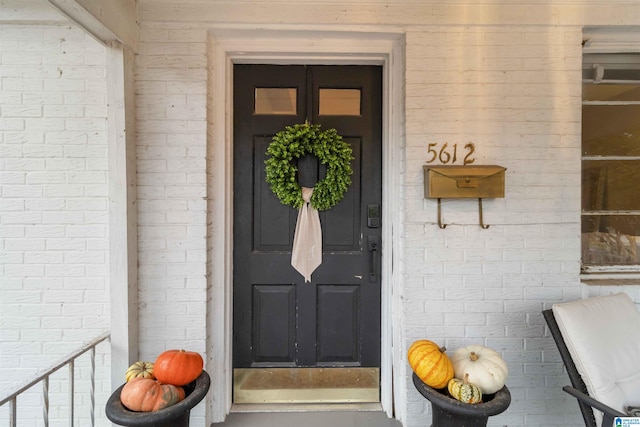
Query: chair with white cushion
x=599 y=342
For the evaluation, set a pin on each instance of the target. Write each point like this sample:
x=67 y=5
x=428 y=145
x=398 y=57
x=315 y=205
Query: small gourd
x=430 y=363
x=140 y=370
x=464 y=391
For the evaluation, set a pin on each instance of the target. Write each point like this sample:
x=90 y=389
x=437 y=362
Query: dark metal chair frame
x=578 y=389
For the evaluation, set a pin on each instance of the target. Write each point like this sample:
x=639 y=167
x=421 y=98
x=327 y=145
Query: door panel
x=274 y=222
x=278 y=319
x=338 y=328
x=274 y=323
x=341 y=224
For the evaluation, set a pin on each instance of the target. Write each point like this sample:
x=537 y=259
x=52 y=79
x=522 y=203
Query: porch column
x=123 y=251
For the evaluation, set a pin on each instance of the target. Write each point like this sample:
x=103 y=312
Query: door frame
x=226 y=47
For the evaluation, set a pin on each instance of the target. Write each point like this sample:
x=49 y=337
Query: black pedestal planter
x=174 y=416
x=449 y=412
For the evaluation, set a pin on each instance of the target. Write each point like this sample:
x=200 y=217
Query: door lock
x=373 y=215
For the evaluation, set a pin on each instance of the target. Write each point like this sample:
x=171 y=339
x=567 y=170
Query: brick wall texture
x=514 y=92
x=54 y=243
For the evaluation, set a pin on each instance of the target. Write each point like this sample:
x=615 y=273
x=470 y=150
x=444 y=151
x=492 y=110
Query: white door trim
x=229 y=46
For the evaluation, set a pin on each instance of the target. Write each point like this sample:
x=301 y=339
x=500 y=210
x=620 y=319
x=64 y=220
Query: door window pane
x=339 y=102
x=276 y=100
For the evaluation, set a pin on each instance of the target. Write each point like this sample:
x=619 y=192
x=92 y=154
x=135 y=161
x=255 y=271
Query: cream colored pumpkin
x=484 y=367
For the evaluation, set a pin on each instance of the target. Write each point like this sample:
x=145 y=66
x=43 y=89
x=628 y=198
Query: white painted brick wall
x=512 y=91
x=171 y=85
x=515 y=93
x=54 y=289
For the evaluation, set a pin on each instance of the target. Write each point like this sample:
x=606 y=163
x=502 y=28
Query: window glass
x=275 y=100
x=610 y=185
x=611 y=164
x=611 y=130
x=611 y=66
x=611 y=92
x=340 y=102
x=610 y=239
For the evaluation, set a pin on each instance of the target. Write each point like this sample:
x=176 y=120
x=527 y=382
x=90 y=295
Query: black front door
x=279 y=320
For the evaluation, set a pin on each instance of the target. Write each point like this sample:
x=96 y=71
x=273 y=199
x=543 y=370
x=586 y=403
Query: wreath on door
x=328 y=146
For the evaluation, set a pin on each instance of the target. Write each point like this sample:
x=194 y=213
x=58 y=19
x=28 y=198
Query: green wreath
x=328 y=146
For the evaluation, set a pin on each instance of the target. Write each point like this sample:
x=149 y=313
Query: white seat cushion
x=603 y=337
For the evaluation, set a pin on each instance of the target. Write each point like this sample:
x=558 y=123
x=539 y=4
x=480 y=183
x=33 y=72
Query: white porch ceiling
x=29 y=12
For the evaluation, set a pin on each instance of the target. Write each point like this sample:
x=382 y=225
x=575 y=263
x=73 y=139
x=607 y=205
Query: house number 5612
x=449 y=154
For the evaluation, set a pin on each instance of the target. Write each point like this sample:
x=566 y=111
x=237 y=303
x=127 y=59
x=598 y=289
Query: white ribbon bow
x=306 y=254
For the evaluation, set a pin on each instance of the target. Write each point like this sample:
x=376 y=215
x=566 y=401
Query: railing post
x=93 y=387
x=12 y=412
x=71 y=391
x=45 y=398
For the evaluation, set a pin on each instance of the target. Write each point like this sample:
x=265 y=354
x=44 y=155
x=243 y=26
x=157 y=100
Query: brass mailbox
x=468 y=182
x=474 y=182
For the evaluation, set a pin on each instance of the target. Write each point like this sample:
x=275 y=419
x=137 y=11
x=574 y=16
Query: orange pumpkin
x=430 y=363
x=178 y=367
x=146 y=395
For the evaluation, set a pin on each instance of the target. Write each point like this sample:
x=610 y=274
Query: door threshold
x=246 y=408
x=306 y=386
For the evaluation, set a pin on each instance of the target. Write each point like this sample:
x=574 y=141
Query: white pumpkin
x=485 y=367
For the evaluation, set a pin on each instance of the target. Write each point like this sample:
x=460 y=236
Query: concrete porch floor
x=317 y=418
x=309 y=397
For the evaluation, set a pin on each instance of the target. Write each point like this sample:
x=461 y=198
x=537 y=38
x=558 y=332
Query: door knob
x=373 y=245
